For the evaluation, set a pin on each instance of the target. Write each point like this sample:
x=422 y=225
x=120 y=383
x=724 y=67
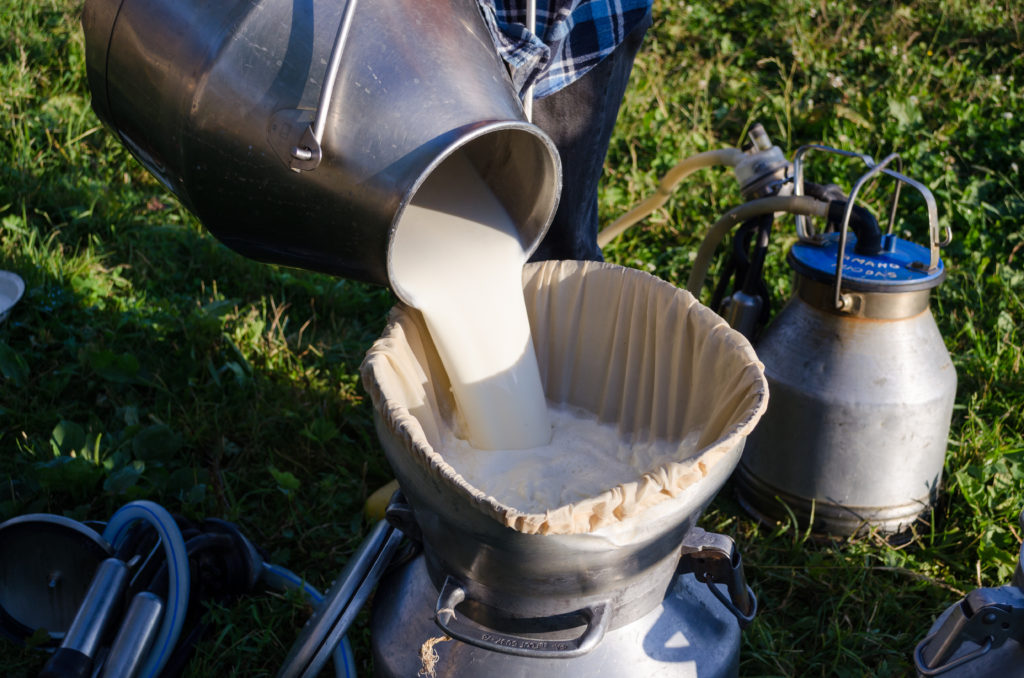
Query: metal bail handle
x=453 y=594
x=307 y=154
x=714 y=559
x=805 y=233
x=803 y=225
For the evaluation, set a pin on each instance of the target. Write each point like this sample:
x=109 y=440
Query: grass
x=148 y=361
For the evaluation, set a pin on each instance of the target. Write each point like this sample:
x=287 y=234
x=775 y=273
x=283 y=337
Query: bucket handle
x=806 y=234
x=453 y=594
x=933 y=223
x=307 y=154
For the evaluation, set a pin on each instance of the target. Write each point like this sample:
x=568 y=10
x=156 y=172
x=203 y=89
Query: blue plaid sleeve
x=572 y=37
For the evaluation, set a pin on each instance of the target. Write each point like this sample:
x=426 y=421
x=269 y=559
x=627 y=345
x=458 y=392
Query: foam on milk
x=583 y=459
x=456 y=256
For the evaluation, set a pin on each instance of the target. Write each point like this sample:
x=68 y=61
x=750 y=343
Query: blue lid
x=902 y=266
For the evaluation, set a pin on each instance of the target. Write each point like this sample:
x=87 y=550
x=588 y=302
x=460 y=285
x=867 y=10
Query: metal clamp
x=307 y=154
x=714 y=559
x=597 y=619
x=987 y=617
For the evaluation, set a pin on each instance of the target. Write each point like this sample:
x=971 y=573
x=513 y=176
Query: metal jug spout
x=298 y=131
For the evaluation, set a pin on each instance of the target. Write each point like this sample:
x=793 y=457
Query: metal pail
x=222 y=101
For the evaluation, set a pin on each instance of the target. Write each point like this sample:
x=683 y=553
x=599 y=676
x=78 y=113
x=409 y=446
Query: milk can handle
x=307 y=154
x=987 y=617
x=714 y=559
x=452 y=594
x=933 y=221
x=805 y=233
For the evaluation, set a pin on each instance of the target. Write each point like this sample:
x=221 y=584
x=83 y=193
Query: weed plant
x=147 y=360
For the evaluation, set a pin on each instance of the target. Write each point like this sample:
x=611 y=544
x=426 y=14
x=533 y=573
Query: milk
x=457 y=258
x=584 y=458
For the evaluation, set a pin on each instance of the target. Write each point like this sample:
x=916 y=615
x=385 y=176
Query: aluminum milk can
x=862 y=387
x=298 y=131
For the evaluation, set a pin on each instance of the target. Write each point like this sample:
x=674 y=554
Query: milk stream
x=456 y=256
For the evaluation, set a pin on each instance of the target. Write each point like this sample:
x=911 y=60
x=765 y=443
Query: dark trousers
x=580 y=119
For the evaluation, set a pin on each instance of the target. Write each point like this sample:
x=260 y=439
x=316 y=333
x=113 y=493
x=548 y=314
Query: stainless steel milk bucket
x=587 y=587
x=222 y=102
x=855 y=433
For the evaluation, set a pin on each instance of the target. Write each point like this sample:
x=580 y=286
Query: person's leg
x=580 y=119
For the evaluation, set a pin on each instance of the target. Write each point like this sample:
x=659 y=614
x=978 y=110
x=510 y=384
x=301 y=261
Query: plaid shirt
x=572 y=37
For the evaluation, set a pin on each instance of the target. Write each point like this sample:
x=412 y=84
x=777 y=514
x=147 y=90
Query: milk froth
x=583 y=459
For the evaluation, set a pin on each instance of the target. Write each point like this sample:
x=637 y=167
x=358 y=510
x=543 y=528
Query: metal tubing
x=101 y=599
x=135 y=637
x=318 y=629
x=348 y=615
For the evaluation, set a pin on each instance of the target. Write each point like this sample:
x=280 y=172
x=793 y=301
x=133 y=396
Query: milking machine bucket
x=862 y=384
x=298 y=131
x=980 y=636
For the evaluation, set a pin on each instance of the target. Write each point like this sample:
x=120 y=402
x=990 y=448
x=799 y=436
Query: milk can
x=600 y=586
x=861 y=383
x=298 y=131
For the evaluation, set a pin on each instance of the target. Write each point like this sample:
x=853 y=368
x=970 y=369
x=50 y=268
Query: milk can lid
x=901 y=266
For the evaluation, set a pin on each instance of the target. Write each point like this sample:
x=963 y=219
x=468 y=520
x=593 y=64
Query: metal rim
x=71 y=545
x=13 y=283
x=768 y=504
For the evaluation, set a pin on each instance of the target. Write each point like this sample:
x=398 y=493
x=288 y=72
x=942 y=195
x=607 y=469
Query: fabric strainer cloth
x=617 y=342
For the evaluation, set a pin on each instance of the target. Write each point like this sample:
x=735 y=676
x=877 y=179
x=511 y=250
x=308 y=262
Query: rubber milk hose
x=804 y=205
x=177 y=569
x=723 y=156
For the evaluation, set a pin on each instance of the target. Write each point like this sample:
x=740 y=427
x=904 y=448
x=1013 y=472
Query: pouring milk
x=457 y=257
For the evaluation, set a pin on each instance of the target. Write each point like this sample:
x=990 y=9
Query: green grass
x=148 y=361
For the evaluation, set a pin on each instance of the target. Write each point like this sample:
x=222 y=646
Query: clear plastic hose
x=723 y=156
x=177 y=571
x=807 y=206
